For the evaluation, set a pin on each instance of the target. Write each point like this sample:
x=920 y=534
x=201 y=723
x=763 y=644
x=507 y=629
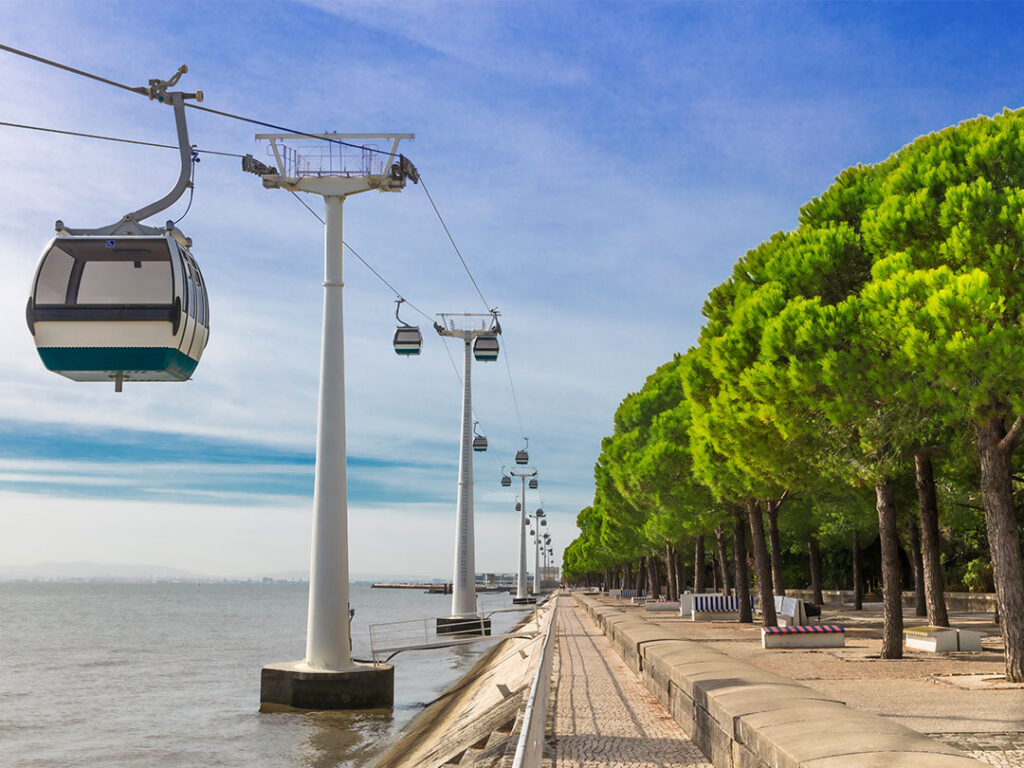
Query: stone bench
x=942 y=639
x=804 y=636
x=707 y=607
x=661 y=605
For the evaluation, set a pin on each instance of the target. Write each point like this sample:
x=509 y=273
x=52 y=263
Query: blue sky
x=601 y=166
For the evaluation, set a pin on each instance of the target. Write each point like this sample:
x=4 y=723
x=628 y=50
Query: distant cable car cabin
x=543 y=522
x=485 y=348
x=519 y=507
x=539 y=512
x=533 y=483
x=479 y=441
x=522 y=457
x=408 y=340
x=125 y=301
x=506 y=481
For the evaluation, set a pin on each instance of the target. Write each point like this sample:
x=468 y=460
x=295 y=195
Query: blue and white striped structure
x=717 y=603
x=119 y=307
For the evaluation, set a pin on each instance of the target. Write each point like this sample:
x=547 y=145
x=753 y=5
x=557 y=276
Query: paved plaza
x=602 y=715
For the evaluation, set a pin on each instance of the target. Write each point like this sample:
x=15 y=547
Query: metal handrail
x=530 y=749
x=379 y=644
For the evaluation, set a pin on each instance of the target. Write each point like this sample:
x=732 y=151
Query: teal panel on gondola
x=118 y=359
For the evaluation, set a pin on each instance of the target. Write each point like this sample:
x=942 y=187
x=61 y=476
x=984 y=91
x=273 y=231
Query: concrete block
x=744 y=758
x=942 y=639
x=896 y=760
x=710 y=739
x=816 y=637
x=793 y=744
x=293 y=684
x=662 y=605
x=682 y=709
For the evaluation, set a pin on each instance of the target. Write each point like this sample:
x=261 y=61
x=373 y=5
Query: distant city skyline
x=601 y=166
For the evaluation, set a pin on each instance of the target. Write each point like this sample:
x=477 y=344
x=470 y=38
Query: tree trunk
x=814 y=554
x=627 y=576
x=739 y=544
x=917 y=566
x=778 y=585
x=670 y=574
x=698 y=565
x=892 y=586
x=677 y=558
x=723 y=559
x=638 y=578
x=995 y=449
x=761 y=564
x=653 y=583
x=858 y=575
x=934 y=582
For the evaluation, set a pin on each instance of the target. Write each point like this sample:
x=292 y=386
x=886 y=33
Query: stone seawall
x=477 y=721
x=742 y=716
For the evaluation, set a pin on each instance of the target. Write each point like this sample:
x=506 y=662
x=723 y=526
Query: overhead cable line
x=452 y=241
x=451 y=359
x=112 y=138
x=144 y=92
x=365 y=262
x=515 y=400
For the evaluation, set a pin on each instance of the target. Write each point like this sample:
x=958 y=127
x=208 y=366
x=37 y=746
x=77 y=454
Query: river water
x=169 y=674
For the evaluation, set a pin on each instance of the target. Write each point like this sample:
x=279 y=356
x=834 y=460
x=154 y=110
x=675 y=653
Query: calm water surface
x=168 y=675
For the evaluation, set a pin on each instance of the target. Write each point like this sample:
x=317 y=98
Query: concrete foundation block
x=293 y=684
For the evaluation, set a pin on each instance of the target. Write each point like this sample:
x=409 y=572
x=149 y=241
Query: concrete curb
x=741 y=716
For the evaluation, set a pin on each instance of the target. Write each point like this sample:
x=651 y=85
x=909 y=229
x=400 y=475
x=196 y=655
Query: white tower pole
x=536 y=554
x=521 y=591
x=464 y=578
x=327 y=631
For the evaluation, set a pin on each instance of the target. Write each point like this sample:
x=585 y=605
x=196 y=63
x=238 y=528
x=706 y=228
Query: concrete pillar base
x=463 y=625
x=293 y=684
x=524 y=600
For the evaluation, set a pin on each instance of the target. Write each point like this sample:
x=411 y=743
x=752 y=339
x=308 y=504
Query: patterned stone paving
x=602 y=715
x=1002 y=749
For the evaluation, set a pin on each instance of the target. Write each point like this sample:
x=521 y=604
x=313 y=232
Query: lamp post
x=522 y=595
x=482 y=344
x=328 y=678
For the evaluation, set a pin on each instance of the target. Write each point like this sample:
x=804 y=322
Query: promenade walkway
x=602 y=715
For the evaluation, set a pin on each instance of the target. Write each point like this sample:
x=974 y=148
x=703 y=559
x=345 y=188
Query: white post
x=464 y=578
x=327 y=632
x=521 y=591
x=536 y=554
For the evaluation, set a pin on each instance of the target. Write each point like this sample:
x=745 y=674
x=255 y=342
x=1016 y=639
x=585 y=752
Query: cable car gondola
x=479 y=441
x=539 y=512
x=506 y=481
x=125 y=301
x=408 y=339
x=522 y=457
x=519 y=507
x=543 y=522
x=485 y=348
x=533 y=483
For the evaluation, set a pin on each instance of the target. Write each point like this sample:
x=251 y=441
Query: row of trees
x=843 y=360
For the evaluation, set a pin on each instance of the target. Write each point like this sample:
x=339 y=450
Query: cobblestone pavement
x=603 y=716
x=1002 y=749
